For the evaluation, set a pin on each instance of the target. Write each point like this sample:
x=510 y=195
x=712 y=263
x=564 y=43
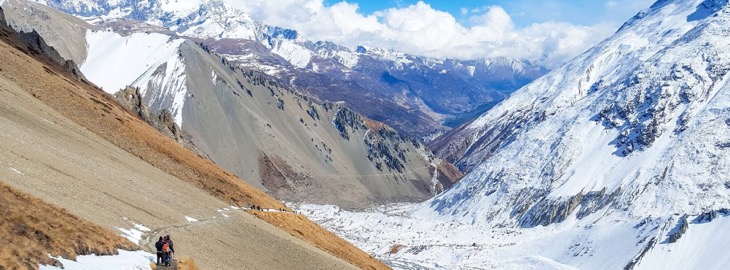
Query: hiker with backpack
x=158 y=246
x=167 y=249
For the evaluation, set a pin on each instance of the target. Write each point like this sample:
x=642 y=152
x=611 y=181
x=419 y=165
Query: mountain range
x=617 y=159
x=280 y=140
x=417 y=96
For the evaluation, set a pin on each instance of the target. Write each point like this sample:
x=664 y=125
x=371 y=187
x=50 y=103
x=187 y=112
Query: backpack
x=166 y=247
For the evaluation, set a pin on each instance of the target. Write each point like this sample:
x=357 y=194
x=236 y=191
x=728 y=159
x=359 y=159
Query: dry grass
x=395 y=248
x=186 y=263
x=373 y=125
x=303 y=228
x=30 y=229
x=98 y=112
x=448 y=174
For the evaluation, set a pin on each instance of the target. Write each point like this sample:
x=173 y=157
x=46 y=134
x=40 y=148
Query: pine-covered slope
x=618 y=159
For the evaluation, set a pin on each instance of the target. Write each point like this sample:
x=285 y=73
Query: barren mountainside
x=278 y=139
x=71 y=144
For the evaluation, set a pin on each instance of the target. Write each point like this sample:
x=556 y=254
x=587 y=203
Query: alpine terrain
x=617 y=159
x=283 y=141
x=415 y=95
x=78 y=171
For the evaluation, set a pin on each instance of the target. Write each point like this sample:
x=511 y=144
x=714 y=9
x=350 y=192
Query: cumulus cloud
x=422 y=30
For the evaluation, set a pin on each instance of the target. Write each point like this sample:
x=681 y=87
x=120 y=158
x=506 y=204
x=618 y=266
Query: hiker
x=168 y=249
x=158 y=246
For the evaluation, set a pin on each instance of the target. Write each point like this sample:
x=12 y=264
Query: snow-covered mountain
x=610 y=64
x=415 y=95
x=618 y=159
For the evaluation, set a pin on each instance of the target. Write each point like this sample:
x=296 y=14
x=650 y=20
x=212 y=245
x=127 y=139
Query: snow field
x=126 y=260
x=139 y=60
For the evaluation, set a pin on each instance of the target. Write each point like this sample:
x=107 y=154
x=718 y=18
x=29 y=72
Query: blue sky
x=525 y=12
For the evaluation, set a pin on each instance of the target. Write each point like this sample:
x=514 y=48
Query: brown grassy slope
x=186 y=263
x=30 y=229
x=301 y=227
x=448 y=174
x=373 y=125
x=97 y=111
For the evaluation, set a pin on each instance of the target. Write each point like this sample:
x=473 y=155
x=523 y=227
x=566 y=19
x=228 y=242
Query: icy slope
x=604 y=65
x=147 y=61
x=633 y=129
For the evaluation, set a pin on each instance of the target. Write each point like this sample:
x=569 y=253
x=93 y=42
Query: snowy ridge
x=585 y=133
x=612 y=161
x=147 y=61
x=549 y=95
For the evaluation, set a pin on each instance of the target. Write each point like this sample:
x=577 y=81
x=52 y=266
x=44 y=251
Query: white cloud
x=419 y=29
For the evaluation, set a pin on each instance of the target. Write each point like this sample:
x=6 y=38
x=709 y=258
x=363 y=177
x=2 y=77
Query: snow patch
x=114 y=62
x=471 y=70
x=702 y=246
x=125 y=260
x=135 y=233
x=189 y=219
x=16 y=171
x=348 y=59
x=141 y=227
x=294 y=53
